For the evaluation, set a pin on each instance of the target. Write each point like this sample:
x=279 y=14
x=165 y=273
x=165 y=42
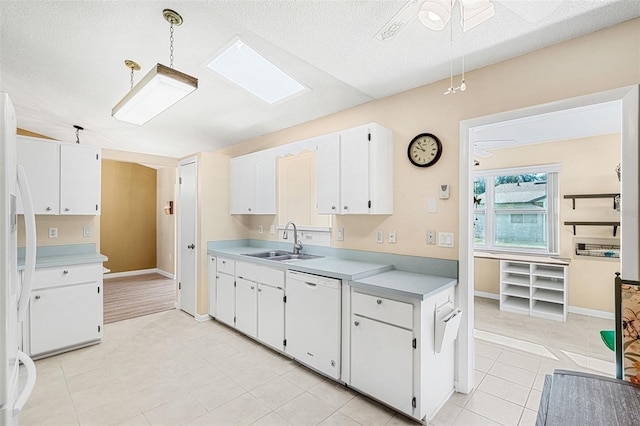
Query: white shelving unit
x=536 y=289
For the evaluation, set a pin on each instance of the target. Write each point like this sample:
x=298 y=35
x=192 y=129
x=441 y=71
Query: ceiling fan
x=435 y=14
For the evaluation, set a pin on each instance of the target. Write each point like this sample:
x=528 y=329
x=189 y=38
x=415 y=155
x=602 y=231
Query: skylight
x=248 y=69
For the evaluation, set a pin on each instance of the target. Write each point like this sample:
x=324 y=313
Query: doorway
x=187 y=237
x=628 y=98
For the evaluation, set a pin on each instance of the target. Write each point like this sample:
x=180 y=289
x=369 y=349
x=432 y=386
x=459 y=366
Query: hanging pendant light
x=161 y=88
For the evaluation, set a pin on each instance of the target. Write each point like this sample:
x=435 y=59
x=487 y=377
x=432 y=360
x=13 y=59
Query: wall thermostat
x=444 y=192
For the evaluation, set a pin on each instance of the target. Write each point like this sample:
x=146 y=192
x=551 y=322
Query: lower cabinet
x=247 y=307
x=271 y=316
x=226 y=299
x=65 y=309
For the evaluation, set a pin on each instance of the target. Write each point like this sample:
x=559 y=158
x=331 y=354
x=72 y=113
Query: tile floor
x=168 y=369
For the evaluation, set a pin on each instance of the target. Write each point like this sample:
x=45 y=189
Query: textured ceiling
x=62 y=62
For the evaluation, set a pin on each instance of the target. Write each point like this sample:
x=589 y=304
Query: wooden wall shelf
x=614 y=224
x=576 y=196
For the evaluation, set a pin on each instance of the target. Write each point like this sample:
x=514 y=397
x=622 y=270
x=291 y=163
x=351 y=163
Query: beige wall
x=128 y=220
x=596 y=62
x=166 y=224
x=588 y=167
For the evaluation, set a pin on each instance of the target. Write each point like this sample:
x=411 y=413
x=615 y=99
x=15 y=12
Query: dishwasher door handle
x=310 y=284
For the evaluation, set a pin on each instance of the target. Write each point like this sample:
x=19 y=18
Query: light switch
x=379 y=237
x=86 y=231
x=340 y=236
x=272 y=229
x=432 y=205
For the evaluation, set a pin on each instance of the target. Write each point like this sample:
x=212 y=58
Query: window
x=517 y=209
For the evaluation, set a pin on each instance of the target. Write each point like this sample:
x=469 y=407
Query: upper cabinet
x=354 y=171
x=63 y=178
x=253 y=184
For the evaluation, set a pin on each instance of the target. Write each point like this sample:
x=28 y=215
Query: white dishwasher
x=313 y=321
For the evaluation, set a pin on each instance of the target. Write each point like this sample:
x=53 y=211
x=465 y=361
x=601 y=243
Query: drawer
x=260 y=274
x=67 y=275
x=226 y=266
x=383 y=309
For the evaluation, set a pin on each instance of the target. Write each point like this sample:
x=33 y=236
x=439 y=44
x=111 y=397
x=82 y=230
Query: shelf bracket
x=574 y=226
x=615 y=230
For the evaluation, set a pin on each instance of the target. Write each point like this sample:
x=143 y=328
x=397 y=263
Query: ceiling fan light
x=474 y=4
x=440 y=9
x=475 y=17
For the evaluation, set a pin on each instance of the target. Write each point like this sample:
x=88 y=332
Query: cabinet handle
x=260 y=289
x=224 y=262
x=356 y=323
x=333 y=207
x=346 y=207
x=191 y=246
x=379 y=302
x=249 y=208
x=38 y=297
x=252 y=287
x=65 y=272
x=48 y=209
x=217 y=277
x=66 y=209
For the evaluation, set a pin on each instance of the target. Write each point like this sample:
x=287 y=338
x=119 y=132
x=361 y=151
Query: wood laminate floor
x=135 y=296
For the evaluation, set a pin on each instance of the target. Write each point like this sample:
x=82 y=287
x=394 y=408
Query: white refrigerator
x=14 y=292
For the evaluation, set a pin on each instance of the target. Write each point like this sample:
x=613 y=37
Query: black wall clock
x=424 y=150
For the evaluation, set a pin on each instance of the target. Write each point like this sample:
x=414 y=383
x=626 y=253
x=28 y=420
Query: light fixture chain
x=171 y=45
x=131 y=78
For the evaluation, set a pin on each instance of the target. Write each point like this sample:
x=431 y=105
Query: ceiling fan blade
x=408 y=13
x=531 y=11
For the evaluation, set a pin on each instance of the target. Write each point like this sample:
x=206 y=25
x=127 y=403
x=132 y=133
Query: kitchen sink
x=281 y=256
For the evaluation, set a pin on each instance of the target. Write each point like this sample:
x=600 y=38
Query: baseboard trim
x=139 y=272
x=486 y=295
x=202 y=318
x=590 y=312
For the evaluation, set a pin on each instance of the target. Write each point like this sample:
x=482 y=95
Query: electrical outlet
x=445 y=239
x=272 y=229
x=392 y=237
x=340 y=236
x=260 y=229
x=379 y=237
x=86 y=231
x=431 y=237
x=53 y=232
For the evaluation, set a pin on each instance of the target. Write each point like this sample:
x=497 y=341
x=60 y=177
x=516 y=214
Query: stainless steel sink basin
x=281 y=256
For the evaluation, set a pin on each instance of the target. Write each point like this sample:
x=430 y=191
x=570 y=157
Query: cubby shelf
x=536 y=289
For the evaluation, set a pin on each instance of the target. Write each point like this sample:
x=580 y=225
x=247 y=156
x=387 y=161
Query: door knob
x=191 y=246
x=38 y=297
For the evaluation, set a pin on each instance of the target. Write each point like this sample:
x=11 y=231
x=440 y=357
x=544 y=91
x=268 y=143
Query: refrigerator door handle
x=28 y=387
x=30 y=250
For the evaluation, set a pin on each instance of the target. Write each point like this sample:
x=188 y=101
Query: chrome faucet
x=297 y=245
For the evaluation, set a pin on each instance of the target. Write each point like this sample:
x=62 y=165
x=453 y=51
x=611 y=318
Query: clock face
x=424 y=150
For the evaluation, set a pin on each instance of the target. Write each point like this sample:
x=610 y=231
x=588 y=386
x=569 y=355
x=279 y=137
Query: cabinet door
x=225 y=299
x=328 y=174
x=271 y=316
x=80 y=177
x=246 y=307
x=354 y=167
x=41 y=162
x=243 y=185
x=382 y=362
x=61 y=317
x=212 y=285
x=265 y=188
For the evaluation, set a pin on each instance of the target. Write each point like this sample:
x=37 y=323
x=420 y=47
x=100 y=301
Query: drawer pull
x=224 y=262
x=252 y=287
x=48 y=209
x=356 y=323
x=38 y=297
x=379 y=302
x=65 y=272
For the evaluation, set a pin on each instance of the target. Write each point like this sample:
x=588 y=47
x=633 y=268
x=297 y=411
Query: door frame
x=629 y=97
x=184 y=162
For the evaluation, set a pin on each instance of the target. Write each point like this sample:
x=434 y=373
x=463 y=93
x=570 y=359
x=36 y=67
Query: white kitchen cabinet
x=225 y=291
x=65 y=309
x=80 y=177
x=41 y=162
x=64 y=178
x=354 y=171
x=247 y=307
x=253 y=184
x=382 y=361
x=213 y=285
x=271 y=316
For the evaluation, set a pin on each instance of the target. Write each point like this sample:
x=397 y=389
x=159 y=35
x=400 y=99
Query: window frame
x=553 y=204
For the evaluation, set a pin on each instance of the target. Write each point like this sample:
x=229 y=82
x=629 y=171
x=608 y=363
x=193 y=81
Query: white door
x=41 y=162
x=226 y=299
x=246 y=307
x=382 y=362
x=187 y=239
x=271 y=316
x=354 y=166
x=80 y=177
